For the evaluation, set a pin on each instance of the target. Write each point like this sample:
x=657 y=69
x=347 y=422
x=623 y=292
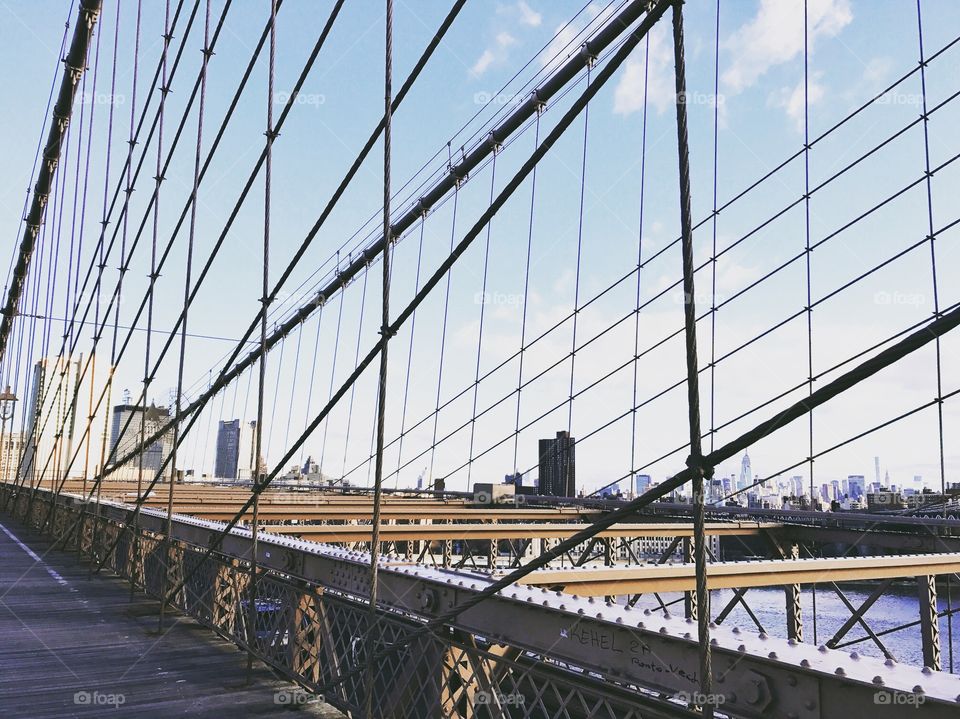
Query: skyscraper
x=51 y=408
x=642 y=483
x=228 y=449
x=558 y=466
x=248 y=465
x=855 y=486
x=130 y=423
x=746 y=474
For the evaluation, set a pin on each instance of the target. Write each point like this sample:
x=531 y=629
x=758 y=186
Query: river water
x=898 y=606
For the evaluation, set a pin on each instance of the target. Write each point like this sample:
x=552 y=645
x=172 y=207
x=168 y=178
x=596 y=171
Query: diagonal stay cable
x=228 y=374
x=550 y=88
x=74 y=66
x=555 y=134
x=627 y=512
x=125 y=261
x=144 y=304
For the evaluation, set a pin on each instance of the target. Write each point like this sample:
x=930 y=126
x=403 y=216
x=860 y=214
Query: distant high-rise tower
x=746 y=474
x=642 y=483
x=558 y=466
x=51 y=408
x=249 y=466
x=228 y=449
x=876 y=467
x=130 y=423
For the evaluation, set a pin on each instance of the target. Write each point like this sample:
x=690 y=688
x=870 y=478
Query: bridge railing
x=577 y=657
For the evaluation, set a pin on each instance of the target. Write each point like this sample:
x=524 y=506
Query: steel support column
x=929 y=621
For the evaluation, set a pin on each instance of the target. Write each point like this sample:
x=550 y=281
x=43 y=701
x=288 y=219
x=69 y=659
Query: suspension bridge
x=336 y=381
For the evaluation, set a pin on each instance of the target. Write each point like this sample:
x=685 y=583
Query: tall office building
x=228 y=449
x=796 y=486
x=10 y=450
x=130 y=422
x=642 y=483
x=558 y=466
x=51 y=411
x=248 y=450
x=855 y=486
x=746 y=474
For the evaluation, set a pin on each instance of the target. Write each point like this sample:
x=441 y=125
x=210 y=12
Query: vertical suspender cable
x=333 y=372
x=178 y=399
x=265 y=300
x=809 y=306
x=385 y=333
x=696 y=460
x=526 y=292
x=276 y=393
x=636 y=316
x=443 y=340
x=406 y=383
x=936 y=302
x=158 y=180
x=483 y=304
x=313 y=370
x=713 y=239
x=356 y=360
x=576 y=286
x=293 y=383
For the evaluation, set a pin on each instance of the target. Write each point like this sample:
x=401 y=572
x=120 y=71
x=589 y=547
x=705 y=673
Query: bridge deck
x=65 y=637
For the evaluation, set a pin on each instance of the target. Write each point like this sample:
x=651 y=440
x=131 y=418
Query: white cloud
x=775 y=36
x=628 y=96
x=495 y=54
x=528 y=16
x=876 y=71
x=791 y=100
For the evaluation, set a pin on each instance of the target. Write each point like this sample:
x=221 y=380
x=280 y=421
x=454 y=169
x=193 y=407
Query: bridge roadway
x=75 y=647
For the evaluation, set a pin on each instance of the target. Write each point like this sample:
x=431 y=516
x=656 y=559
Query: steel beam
x=729 y=575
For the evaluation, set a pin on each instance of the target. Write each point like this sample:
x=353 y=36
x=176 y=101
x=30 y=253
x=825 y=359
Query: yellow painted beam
x=729 y=575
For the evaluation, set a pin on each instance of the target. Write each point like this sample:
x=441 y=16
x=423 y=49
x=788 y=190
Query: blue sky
x=856 y=49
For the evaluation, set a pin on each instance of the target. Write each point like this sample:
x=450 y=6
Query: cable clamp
x=589 y=58
x=271 y=134
x=387 y=332
x=699 y=465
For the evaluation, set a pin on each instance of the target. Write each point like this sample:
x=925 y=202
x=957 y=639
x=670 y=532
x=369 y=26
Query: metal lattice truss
x=577 y=656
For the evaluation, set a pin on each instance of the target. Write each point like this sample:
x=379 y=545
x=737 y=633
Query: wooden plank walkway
x=71 y=646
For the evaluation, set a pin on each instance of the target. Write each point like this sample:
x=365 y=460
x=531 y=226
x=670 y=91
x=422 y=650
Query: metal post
x=929 y=621
x=695 y=461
